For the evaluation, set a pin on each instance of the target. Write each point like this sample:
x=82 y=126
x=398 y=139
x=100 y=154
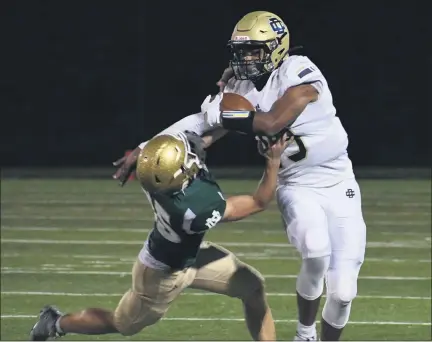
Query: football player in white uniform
x=318 y=195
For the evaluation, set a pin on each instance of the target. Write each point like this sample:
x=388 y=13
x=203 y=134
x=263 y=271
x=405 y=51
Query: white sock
x=57 y=326
x=306 y=331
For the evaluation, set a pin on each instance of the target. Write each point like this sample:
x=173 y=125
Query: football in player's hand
x=232 y=101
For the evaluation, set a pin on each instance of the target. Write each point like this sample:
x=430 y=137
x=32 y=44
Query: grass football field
x=72 y=243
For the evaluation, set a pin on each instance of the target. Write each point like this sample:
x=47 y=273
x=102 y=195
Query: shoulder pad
x=298 y=70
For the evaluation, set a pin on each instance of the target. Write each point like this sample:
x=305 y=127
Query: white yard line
x=379 y=200
x=12 y=270
x=250 y=256
x=150 y=219
x=420 y=244
x=370 y=211
x=146 y=230
x=293 y=276
x=96 y=199
x=226 y=319
x=199 y=294
x=118 y=259
x=92 y=230
x=424 y=234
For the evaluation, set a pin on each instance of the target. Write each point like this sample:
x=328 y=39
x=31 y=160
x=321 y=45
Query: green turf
x=54 y=231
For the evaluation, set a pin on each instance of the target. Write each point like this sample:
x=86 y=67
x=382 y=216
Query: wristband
x=238 y=120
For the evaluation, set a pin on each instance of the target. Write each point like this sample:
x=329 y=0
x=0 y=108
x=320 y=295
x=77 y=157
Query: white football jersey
x=319 y=155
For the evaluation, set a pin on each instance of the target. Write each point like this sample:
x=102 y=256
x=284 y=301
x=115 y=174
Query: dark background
x=83 y=81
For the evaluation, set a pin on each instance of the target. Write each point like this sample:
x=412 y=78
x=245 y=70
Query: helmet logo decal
x=277 y=25
x=241 y=38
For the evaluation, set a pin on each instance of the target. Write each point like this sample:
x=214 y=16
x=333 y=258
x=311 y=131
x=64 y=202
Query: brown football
x=232 y=101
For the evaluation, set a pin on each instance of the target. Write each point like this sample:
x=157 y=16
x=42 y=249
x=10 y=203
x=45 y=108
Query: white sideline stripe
x=62 y=229
x=146 y=230
x=246 y=255
x=12 y=270
x=401 y=201
x=270 y=294
x=150 y=219
x=371 y=212
x=204 y=319
x=250 y=256
x=24 y=199
x=377 y=244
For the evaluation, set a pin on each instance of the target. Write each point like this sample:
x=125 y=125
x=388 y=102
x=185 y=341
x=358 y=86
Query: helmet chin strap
x=261 y=81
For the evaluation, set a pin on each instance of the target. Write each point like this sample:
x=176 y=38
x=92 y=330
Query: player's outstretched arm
x=125 y=166
x=195 y=123
x=239 y=207
x=211 y=137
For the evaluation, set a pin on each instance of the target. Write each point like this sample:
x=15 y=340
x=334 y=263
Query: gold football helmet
x=168 y=162
x=259 y=43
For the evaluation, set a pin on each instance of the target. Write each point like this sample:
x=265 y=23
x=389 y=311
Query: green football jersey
x=182 y=219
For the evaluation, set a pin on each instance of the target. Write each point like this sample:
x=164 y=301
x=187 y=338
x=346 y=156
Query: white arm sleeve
x=195 y=123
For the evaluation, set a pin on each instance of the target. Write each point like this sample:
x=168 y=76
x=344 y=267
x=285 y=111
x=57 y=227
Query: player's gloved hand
x=264 y=142
x=126 y=165
x=211 y=109
x=275 y=151
x=226 y=75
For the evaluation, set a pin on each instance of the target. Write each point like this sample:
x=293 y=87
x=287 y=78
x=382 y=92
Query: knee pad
x=316 y=243
x=310 y=281
x=342 y=285
x=336 y=313
x=341 y=290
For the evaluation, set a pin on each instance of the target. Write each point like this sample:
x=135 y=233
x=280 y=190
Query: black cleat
x=45 y=327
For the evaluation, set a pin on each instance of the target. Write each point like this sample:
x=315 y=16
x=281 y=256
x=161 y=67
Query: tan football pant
x=216 y=270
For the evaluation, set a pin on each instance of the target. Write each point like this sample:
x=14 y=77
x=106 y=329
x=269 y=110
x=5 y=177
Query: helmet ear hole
x=157 y=179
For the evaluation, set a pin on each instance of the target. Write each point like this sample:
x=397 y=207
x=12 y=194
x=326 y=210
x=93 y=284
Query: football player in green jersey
x=187 y=202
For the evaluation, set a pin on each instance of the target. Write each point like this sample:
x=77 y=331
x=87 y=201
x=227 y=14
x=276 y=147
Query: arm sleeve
x=194 y=122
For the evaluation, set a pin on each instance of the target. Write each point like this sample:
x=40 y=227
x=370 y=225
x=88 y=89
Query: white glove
x=211 y=110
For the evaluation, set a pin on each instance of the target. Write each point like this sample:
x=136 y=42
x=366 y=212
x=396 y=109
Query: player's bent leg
x=341 y=291
x=219 y=271
x=91 y=321
x=151 y=295
x=307 y=228
x=348 y=239
x=258 y=316
x=144 y=304
x=309 y=287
